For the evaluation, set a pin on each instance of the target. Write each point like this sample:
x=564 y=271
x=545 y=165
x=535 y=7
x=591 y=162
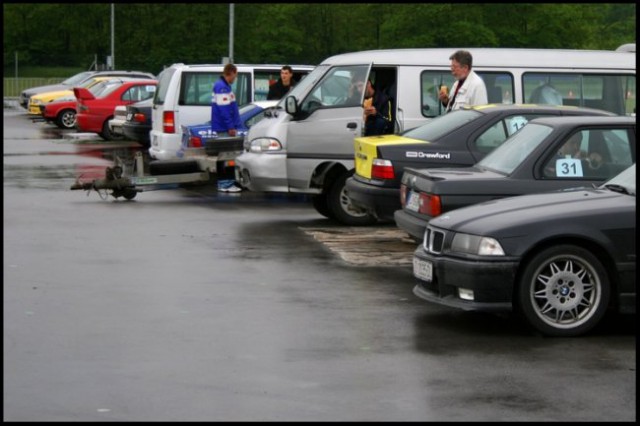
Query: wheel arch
x=592 y=246
x=325 y=173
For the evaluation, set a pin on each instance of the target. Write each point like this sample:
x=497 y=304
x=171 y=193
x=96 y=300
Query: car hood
x=536 y=213
x=48 y=88
x=366 y=149
x=47 y=96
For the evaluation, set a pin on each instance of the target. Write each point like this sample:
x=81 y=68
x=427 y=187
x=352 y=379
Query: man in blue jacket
x=225 y=120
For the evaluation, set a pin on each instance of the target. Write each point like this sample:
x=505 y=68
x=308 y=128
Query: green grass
x=34 y=76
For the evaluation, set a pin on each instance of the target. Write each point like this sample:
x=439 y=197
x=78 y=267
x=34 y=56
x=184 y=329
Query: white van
x=183 y=98
x=306 y=146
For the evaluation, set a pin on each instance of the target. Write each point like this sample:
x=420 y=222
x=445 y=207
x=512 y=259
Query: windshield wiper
x=617 y=188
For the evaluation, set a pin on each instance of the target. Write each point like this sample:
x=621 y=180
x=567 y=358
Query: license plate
x=129 y=116
x=423 y=269
x=413 y=201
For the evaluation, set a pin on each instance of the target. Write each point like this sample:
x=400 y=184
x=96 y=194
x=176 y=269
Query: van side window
x=499 y=89
x=262 y=80
x=606 y=92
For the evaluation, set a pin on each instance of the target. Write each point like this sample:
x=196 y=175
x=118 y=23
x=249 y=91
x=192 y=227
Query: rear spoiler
x=83 y=94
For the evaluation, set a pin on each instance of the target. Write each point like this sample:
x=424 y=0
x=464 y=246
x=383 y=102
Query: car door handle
x=352 y=125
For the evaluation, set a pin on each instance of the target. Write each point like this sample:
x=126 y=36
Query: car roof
x=581 y=120
x=124 y=73
x=539 y=107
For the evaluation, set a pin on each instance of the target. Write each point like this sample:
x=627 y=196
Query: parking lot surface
x=189 y=305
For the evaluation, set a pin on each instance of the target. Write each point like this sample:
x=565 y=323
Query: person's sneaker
x=229 y=188
x=232 y=188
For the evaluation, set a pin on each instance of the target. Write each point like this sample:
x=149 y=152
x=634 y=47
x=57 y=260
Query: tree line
x=150 y=36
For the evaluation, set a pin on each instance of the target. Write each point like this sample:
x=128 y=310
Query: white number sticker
x=569 y=167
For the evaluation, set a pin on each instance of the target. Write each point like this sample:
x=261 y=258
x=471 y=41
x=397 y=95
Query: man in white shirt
x=468 y=89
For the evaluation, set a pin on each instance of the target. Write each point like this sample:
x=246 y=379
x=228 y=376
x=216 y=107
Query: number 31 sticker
x=569 y=167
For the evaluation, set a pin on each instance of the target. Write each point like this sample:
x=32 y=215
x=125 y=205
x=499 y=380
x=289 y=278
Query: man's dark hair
x=462 y=57
x=288 y=68
x=230 y=69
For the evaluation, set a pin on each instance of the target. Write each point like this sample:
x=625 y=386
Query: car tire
x=320 y=204
x=66 y=119
x=173 y=167
x=107 y=134
x=563 y=291
x=340 y=205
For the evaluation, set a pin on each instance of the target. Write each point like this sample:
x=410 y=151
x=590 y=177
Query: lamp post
x=231 y=9
x=113 y=54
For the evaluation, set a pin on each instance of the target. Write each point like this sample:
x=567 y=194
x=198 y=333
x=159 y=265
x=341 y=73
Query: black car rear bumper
x=413 y=225
x=382 y=202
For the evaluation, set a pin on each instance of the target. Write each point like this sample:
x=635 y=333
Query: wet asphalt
x=189 y=305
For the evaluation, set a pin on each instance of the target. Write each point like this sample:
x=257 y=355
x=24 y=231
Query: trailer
x=197 y=166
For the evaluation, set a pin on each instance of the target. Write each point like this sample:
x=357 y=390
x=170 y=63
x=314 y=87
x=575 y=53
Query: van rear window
x=196 y=87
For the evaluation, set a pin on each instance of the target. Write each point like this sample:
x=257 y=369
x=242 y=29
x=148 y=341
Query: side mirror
x=290 y=105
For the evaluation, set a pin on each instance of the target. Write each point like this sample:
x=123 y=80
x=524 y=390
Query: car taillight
x=168 y=122
x=139 y=117
x=195 y=141
x=430 y=205
x=382 y=169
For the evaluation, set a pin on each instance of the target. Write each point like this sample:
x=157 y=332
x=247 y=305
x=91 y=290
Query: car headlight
x=474 y=244
x=36 y=102
x=265 y=145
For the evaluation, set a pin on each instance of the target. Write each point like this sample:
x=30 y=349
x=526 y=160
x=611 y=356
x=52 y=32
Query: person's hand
x=232 y=132
x=370 y=110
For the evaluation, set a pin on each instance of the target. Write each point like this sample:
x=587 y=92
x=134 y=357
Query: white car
x=119 y=117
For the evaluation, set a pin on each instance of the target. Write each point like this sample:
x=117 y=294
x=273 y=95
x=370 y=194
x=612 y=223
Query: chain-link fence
x=13 y=86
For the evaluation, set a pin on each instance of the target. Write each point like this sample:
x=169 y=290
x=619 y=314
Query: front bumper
x=381 y=202
x=262 y=172
x=491 y=281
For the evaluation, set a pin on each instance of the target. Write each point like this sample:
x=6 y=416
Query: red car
x=94 y=113
x=62 y=111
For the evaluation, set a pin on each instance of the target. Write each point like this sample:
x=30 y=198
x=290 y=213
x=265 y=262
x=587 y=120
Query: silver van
x=183 y=98
x=306 y=145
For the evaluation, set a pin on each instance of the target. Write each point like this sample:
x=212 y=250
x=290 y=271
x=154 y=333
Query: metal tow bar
x=128 y=187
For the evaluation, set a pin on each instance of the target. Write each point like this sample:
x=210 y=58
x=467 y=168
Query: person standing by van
x=377 y=112
x=281 y=87
x=468 y=89
x=225 y=120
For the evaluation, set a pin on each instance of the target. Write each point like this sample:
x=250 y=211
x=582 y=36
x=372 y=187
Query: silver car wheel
x=564 y=291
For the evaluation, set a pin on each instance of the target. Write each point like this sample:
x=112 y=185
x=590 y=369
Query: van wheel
x=320 y=204
x=341 y=207
x=173 y=167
